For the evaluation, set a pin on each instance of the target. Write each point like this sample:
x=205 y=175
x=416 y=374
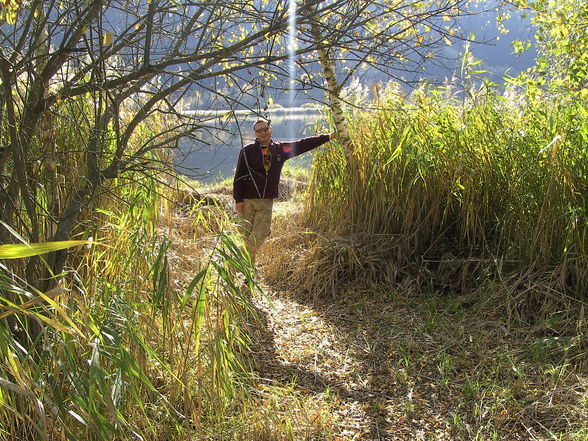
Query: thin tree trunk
x=66 y=225
x=334 y=98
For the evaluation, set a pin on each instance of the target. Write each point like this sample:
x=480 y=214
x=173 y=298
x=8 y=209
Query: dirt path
x=401 y=363
x=359 y=351
x=391 y=367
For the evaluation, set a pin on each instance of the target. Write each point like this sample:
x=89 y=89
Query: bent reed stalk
x=459 y=192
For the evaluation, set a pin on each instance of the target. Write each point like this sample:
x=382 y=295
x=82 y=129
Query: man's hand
x=239 y=207
x=332 y=135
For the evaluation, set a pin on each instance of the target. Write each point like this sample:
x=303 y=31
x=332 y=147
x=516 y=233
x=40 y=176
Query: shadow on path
x=350 y=348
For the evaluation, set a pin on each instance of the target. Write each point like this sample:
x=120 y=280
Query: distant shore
x=274 y=110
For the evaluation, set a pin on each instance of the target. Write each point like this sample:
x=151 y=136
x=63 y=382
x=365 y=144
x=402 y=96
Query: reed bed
x=146 y=334
x=458 y=193
x=131 y=347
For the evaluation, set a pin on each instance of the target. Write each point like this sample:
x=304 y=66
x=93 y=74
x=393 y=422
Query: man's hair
x=261 y=120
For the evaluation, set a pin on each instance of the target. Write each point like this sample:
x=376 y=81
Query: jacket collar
x=258 y=145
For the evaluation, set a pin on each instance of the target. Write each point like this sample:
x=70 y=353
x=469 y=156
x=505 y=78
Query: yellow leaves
x=9 y=16
x=459 y=185
x=371 y=27
x=15 y=369
x=560 y=31
x=107 y=39
x=243 y=32
x=45 y=298
x=17 y=251
x=447 y=41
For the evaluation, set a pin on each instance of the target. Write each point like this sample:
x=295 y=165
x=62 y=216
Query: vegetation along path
x=397 y=363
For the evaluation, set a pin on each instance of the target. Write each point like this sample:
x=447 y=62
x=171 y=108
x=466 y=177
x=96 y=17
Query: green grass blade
x=19 y=251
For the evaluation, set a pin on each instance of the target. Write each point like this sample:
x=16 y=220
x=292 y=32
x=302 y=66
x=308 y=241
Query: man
x=257 y=177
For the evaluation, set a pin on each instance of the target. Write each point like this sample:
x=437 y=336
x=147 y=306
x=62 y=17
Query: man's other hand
x=239 y=207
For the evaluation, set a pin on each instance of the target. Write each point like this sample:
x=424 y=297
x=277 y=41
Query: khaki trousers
x=255 y=224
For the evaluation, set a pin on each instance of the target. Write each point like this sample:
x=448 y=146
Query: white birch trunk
x=334 y=97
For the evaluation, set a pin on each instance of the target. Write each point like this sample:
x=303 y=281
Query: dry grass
x=421 y=354
x=282 y=412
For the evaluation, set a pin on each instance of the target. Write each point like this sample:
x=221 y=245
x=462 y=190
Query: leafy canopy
x=561 y=40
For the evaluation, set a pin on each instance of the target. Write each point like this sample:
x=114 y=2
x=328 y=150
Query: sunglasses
x=262 y=130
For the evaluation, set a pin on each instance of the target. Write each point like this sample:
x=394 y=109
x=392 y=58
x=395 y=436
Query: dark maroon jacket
x=252 y=181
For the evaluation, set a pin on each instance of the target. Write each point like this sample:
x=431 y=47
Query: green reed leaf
x=19 y=251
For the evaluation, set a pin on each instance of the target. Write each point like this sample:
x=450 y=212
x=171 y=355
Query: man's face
x=263 y=133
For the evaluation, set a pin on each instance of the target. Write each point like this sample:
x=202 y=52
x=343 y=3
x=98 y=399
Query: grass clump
x=130 y=346
x=458 y=193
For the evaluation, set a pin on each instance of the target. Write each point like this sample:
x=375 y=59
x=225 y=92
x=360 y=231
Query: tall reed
x=126 y=353
x=460 y=186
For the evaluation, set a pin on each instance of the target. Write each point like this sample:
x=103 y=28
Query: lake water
x=213 y=156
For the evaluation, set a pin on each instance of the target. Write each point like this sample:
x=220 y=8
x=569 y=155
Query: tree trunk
x=334 y=98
